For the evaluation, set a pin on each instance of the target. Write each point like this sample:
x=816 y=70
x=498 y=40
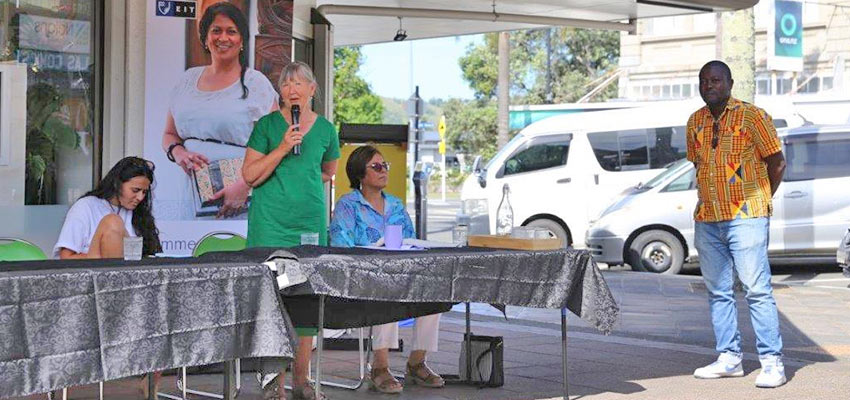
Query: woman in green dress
x=288 y=198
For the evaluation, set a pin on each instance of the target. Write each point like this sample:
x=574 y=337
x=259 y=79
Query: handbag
x=488 y=368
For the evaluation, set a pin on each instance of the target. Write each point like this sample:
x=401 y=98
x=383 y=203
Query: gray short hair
x=297 y=69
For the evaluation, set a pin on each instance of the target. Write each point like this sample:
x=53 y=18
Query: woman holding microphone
x=290 y=154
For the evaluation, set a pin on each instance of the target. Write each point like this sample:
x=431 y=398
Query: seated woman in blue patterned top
x=359 y=219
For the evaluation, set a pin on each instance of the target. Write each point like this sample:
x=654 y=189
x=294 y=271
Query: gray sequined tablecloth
x=543 y=279
x=84 y=322
x=78 y=322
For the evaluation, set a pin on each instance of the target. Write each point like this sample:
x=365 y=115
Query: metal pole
x=320 y=338
x=228 y=380
x=151 y=387
x=468 y=339
x=361 y=355
x=416 y=125
x=564 y=351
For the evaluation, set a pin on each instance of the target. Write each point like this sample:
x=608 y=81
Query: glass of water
x=310 y=238
x=460 y=233
x=133 y=248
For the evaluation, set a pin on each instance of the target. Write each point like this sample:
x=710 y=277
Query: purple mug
x=392 y=236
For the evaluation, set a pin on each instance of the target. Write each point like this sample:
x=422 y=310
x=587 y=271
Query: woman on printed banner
x=212 y=112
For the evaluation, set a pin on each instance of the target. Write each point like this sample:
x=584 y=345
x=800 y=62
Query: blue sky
x=387 y=67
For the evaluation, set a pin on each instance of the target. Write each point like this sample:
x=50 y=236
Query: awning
x=376 y=21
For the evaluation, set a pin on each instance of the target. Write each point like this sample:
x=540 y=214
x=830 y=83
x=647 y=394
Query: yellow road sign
x=441 y=128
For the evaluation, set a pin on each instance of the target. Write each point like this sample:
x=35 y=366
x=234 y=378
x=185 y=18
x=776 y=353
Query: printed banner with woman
x=208 y=80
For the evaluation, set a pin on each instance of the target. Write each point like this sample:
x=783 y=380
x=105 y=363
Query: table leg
x=564 y=351
x=228 y=380
x=151 y=386
x=468 y=345
x=320 y=338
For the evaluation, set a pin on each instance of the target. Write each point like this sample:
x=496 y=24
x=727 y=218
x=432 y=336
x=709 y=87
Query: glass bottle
x=505 y=214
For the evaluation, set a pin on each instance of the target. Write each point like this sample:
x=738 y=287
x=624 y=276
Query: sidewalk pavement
x=664 y=334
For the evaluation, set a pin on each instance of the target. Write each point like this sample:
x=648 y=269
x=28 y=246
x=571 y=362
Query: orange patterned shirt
x=732 y=179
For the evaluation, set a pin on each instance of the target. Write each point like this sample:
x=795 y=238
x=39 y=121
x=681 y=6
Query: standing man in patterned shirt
x=739 y=164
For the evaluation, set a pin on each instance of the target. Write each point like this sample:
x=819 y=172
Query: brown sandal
x=421 y=375
x=306 y=392
x=381 y=380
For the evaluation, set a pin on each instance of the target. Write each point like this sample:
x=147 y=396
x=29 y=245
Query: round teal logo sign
x=788 y=24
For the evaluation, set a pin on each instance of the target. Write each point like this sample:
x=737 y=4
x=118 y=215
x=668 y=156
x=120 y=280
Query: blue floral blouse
x=356 y=223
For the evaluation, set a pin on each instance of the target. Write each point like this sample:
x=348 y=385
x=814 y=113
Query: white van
x=563 y=170
x=651 y=226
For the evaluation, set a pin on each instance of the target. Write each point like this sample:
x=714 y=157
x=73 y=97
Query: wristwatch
x=171 y=148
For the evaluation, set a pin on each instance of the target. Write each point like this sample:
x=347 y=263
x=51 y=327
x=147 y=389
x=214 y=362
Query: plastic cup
x=543 y=233
x=523 y=232
x=311 y=238
x=460 y=234
x=133 y=248
x=392 y=236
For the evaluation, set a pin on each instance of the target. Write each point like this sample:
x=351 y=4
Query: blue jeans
x=740 y=244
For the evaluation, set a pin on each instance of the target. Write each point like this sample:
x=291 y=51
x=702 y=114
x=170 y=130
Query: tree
x=471 y=126
x=547 y=65
x=354 y=101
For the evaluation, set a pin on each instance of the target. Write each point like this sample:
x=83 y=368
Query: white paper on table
x=427 y=244
x=404 y=247
x=169 y=255
x=410 y=245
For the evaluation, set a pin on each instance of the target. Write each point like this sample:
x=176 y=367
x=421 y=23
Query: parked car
x=843 y=253
x=651 y=228
x=563 y=170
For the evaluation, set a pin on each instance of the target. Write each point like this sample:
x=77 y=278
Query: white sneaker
x=727 y=365
x=772 y=372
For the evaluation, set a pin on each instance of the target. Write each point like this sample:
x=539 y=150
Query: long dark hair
x=355 y=167
x=238 y=18
x=110 y=188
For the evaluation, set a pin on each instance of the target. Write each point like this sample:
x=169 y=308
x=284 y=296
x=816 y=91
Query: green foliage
x=575 y=58
x=46 y=133
x=454 y=180
x=354 y=101
x=395 y=111
x=550 y=65
x=471 y=126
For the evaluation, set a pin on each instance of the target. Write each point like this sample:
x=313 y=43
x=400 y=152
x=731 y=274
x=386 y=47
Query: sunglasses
x=378 y=167
x=715 y=135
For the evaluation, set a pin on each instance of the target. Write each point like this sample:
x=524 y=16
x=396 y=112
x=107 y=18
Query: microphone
x=296 y=115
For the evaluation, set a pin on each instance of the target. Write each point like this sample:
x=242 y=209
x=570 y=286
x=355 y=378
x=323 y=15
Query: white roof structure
x=375 y=21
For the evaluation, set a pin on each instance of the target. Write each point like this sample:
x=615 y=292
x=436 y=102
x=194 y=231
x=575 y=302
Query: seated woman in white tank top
x=119 y=206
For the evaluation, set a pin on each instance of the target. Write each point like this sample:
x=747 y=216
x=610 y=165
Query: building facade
x=662 y=61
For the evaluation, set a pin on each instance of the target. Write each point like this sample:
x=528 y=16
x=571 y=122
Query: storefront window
x=56 y=39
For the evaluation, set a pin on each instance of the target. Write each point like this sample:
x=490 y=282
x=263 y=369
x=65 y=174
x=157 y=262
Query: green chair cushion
x=216 y=242
x=20 y=251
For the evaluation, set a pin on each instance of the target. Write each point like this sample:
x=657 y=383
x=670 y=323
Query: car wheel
x=656 y=251
x=555 y=228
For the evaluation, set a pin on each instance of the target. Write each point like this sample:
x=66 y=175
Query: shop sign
x=55 y=34
x=785 y=36
x=54 y=61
